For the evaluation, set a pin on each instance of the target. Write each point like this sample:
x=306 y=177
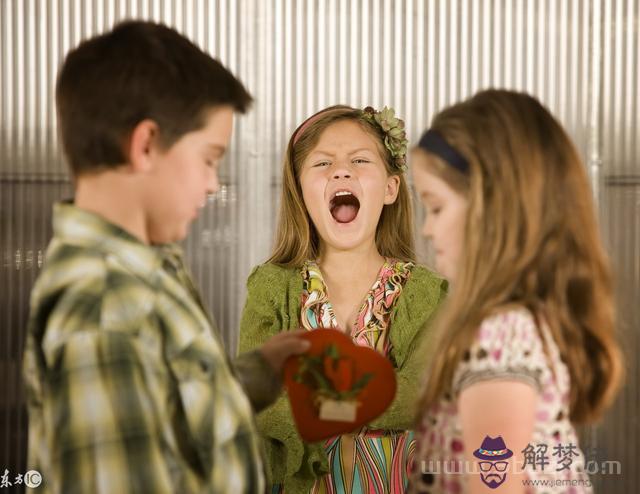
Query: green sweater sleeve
x=268 y=310
x=410 y=334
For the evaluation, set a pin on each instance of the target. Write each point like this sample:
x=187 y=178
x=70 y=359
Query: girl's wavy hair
x=531 y=239
x=296 y=237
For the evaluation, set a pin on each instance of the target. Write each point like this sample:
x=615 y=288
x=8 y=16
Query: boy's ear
x=393 y=187
x=144 y=138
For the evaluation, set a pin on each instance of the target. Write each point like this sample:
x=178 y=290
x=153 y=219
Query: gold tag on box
x=338 y=411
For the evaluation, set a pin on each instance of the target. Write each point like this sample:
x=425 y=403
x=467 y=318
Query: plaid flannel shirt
x=129 y=388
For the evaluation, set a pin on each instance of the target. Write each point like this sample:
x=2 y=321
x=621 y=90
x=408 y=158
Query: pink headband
x=314 y=118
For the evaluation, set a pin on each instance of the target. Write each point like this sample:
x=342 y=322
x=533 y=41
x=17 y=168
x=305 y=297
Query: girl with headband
x=525 y=346
x=344 y=259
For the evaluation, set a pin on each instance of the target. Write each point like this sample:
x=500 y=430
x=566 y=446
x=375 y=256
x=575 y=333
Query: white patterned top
x=508 y=346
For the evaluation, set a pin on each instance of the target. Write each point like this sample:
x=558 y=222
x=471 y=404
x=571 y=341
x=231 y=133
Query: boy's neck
x=110 y=196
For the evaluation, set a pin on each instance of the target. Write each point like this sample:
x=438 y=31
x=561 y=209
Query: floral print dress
x=508 y=346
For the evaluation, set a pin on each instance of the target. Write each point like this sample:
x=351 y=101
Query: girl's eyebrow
x=359 y=150
x=319 y=151
x=327 y=153
x=426 y=194
x=217 y=148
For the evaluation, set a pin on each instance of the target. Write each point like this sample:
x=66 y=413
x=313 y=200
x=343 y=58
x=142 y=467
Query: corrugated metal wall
x=619 y=152
x=580 y=57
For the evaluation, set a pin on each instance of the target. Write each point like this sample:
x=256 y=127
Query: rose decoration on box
x=337 y=386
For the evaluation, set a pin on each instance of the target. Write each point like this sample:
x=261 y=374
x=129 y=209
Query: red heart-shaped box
x=374 y=398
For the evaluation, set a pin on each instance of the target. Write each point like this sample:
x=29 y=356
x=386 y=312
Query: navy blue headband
x=433 y=142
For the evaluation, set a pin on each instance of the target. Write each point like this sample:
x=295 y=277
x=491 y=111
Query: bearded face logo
x=493 y=454
x=493 y=473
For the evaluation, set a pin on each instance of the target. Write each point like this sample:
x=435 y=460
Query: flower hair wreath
x=395 y=139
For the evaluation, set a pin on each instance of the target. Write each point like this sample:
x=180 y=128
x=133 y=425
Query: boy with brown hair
x=129 y=387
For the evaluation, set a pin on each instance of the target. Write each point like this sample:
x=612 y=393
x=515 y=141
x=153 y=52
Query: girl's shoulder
x=513 y=324
x=425 y=282
x=508 y=345
x=280 y=285
x=421 y=295
x=268 y=273
x=424 y=278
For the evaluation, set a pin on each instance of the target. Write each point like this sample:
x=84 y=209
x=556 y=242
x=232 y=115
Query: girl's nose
x=341 y=169
x=213 y=183
x=341 y=174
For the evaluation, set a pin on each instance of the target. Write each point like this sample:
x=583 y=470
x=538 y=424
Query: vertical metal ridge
x=595 y=87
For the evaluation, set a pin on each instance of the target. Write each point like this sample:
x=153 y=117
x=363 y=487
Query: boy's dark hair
x=138 y=70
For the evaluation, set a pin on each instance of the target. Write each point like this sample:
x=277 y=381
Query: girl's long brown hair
x=531 y=238
x=296 y=237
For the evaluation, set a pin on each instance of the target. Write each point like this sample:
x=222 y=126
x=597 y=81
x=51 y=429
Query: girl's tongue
x=344 y=209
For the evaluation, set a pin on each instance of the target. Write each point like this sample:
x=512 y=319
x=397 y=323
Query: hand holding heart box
x=337 y=386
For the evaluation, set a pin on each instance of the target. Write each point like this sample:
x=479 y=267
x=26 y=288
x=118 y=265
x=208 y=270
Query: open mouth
x=344 y=206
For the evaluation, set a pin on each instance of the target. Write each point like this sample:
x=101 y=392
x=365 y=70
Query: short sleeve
x=508 y=346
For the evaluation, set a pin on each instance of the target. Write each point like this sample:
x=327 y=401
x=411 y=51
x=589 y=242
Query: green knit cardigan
x=273 y=305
